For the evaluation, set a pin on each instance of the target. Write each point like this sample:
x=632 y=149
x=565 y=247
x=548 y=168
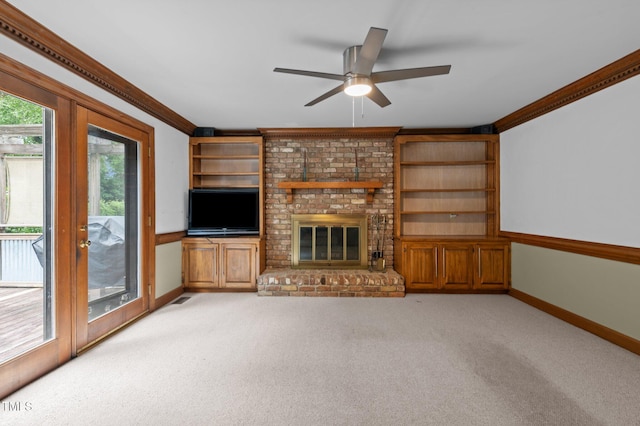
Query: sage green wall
x=168 y=267
x=604 y=291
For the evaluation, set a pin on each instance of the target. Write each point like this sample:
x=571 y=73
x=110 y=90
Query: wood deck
x=21 y=320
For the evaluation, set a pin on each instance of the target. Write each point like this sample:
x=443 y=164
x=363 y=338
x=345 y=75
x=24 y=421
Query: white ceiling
x=212 y=61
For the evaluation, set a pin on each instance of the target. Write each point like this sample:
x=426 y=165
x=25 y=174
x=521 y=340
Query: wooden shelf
x=226 y=162
x=446 y=163
x=369 y=186
x=226 y=157
x=439 y=178
x=446 y=212
x=225 y=173
x=452 y=238
x=449 y=190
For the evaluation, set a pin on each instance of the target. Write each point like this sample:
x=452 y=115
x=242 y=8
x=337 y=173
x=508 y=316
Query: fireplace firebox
x=329 y=241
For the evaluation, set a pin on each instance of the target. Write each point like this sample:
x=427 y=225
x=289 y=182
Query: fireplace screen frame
x=330 y=221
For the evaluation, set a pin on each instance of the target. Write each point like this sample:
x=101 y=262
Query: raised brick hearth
x=331 y=282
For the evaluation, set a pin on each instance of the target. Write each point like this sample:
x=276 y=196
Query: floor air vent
x=180 y=300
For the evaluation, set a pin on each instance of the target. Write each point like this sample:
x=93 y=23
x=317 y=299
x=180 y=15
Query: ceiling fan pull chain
x=353 y=112
x=362 y=100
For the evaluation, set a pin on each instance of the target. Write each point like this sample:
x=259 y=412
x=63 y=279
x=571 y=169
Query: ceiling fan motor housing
x=349 y=57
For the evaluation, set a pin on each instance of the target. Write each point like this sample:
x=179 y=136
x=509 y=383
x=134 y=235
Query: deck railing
x=19 y=264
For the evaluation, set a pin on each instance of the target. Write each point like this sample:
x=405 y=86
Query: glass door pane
x=353 y=243
x=26 y=255
x=337 y=243
x=322 y=243
x=306 y=243
x=112 y=221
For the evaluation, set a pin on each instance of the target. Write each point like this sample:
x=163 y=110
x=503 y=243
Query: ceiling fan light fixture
x=358 y=79
x=357 y=86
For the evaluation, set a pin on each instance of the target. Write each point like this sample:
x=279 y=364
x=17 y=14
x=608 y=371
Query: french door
x=110 y=231
x=76 y=223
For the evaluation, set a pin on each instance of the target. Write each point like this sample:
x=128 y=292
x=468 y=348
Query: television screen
x=225 y=212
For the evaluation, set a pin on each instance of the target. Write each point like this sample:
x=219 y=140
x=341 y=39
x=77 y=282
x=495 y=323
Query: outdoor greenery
x=23 y=230
x=112 y=208
x=111 y=187
x=16 y=111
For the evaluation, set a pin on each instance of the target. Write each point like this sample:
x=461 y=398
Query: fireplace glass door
x=329 y=243
x=334 y=241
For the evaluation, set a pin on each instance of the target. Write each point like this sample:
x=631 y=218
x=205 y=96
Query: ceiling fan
x=358 y=78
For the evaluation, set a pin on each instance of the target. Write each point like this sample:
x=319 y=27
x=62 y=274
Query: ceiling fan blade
x=404 y=74
x=326 y=95
x=311 y=73
x=369 y=51
x=378 y=97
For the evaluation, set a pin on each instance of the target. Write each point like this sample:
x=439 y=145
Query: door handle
x=85 y=243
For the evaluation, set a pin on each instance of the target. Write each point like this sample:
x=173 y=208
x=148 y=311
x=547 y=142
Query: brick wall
x=328 y=159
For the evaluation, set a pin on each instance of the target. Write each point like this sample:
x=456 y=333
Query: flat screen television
x=224 y=212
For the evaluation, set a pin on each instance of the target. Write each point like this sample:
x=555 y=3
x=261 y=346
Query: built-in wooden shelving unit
x=446 y=214
x=219 y=263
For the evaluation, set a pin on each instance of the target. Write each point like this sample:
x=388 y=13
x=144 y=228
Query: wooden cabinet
x=238 y=265
x=419 y=265
x=210 y=264
x=456 y=266
x=446 y=213
x=493 y=266
x=200 y=263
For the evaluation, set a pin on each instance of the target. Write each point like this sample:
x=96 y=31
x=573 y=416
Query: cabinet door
x=239 y=265
x=200 y=265
x=492 y=266
x=420 y=265
x=456 y=269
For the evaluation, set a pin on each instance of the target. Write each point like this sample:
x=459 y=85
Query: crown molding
x=435 y=131
x=330 y=133
x=401 y=131
x=620 y=70
x=28 y=32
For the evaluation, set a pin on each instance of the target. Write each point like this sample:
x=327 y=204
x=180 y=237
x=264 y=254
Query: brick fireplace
x=331 y=155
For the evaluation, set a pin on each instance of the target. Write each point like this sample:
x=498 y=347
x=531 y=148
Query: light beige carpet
x=239 y=359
